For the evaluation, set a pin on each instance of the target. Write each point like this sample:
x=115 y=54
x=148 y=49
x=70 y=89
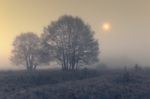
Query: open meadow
x=81 y=84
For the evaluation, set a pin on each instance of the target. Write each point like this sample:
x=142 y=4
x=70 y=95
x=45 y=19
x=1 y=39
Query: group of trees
x=68 y=41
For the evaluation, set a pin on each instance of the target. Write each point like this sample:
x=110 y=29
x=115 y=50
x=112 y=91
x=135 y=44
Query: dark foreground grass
x=16 y=81
x=83 y=84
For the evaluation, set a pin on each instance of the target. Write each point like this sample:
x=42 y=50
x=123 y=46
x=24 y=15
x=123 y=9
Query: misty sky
x=127 y=42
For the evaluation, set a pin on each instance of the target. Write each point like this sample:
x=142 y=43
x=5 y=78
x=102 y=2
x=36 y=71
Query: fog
x=125 y=44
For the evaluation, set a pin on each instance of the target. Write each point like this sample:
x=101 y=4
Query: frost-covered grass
x=14 y=81
x=83 y=84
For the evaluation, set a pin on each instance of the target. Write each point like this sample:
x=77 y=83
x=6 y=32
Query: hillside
x=85 y=84
x=16 y=81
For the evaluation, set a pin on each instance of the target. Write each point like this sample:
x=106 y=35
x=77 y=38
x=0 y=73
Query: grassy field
x=82 y=84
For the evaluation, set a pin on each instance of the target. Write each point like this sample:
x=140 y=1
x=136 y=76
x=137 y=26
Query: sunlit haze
x=106 y=26
x=127 y=41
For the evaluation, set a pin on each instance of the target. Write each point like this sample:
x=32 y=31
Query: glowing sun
x=106 y=26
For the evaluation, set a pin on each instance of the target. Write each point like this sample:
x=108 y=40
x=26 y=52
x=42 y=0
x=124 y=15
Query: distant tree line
x=68 y=41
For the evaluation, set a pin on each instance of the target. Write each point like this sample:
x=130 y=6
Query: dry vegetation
x=83 y=84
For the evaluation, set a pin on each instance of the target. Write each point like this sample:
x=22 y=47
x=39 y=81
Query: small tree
x=28 y=51
x=137 y=68
x=72 y=42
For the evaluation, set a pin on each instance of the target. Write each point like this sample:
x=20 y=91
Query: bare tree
x=28 y=51
x=72 y=42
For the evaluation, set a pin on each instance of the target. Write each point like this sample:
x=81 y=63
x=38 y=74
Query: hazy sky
x=127 y=42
